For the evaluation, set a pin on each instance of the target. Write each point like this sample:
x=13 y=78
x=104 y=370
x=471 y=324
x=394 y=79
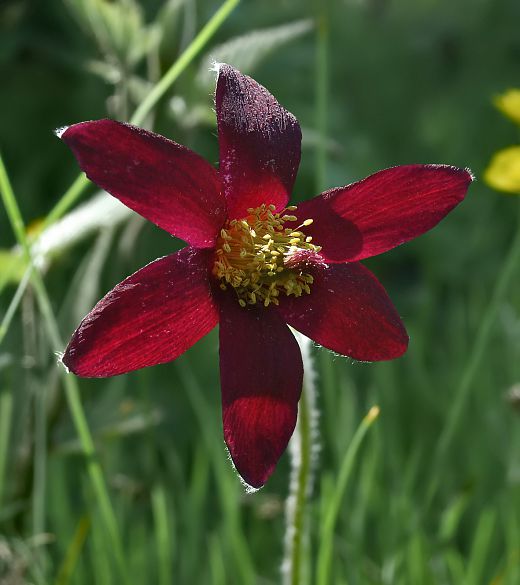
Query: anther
x=251 y=252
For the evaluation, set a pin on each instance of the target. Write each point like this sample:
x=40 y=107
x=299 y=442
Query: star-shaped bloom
x=252 y=264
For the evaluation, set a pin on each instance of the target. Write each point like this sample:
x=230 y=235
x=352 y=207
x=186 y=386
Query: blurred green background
x=409 y=81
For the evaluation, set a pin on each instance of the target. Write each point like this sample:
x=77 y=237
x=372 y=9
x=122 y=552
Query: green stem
x=479 y=346
x=6 y=409
x=225 y=482
x=156 y=93
x=301 y=447
x=321 y=89
x=302 y=458
x=13 y=305
x=67 y=201
x=73 y=553
x=73 y=193
x=329 y=523
x=163 y=542
x=183 y=61
x=39 y=462
x=40 y=454
x=71 y=386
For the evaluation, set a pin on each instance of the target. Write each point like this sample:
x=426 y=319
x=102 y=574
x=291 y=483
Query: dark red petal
x=164 y=182
x=259 y=144
x=261 y=375
x=382 y=211
x=349 y=312
x=150 y=318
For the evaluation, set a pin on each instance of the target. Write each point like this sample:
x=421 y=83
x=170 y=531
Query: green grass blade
x=6 y=410
x=67 y=200
x=193 y=49
x=156 y=93
x=480 y=548
x=163 y=538
x=226 y=483
x=321 y=91
x=70 y=383
x=14 y=304
x=452 y=517
x=75 y=547
x=39 y=466
x=331 y=515
x=509 y=269
x=216 y=562
x=455 y=565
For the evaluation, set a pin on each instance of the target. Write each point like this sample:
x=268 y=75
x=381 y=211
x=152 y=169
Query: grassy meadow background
x=433 y=496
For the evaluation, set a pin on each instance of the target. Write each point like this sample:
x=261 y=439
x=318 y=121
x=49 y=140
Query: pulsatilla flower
x=253 y=264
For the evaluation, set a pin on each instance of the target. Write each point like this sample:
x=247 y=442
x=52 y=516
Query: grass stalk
x=509 y=268
x=156 y=93
x=15 y=302
x=482 y=544
x=71 y=196
x=333 y=507
x=6 y=410
x=73 y=553
x=187 y=56
x=71 y=386
x=226 y=483
x=39 y=465
x=163 y=538
x=68 y=199
x=321 y=93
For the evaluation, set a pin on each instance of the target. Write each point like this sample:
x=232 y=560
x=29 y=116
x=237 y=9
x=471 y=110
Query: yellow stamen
x=253 y=256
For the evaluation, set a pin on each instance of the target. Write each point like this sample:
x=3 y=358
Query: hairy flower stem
x=303 y=443
x=302 y=450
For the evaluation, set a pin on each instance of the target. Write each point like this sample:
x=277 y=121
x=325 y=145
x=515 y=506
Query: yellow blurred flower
x=509 y=104
x=503 y=172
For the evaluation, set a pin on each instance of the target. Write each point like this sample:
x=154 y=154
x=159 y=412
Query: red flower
x=251 y=264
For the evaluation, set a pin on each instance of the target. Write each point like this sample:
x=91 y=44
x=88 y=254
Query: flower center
x=257 y=256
